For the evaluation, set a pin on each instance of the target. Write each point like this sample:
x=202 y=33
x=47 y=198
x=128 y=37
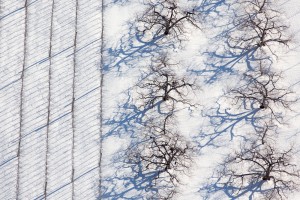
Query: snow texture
x=69 y=103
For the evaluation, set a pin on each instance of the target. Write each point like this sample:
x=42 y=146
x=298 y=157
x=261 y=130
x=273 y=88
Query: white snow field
x=70 y=108
x=50 y=99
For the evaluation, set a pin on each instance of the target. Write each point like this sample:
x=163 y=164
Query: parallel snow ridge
x=33 y=174
x=51 y=50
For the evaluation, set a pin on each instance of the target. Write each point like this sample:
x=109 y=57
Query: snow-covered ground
x=24 y=101
x=68 y=100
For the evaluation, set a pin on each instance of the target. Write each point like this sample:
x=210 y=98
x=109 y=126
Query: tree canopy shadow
x=226 y=121
x=256 y=171
x=251 y=33
x=133 y=47
x=250 y=190
x=129 y=116
x=134 y=185
x=225 y=60
x=131 y=181
x=207 y=8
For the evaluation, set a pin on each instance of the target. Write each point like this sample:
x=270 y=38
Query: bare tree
x=262 y=171
x=165 y=17
x=162 y=152
x=259 y=25
x=261 y=90
x=161 y=84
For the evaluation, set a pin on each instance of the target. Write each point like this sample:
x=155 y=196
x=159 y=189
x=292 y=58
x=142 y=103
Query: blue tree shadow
x=230 y=61
x=133 y=48
x=134 y=186
x=129 y=116
x=130 y=181
x=225 y=121
x=222 y=57
x=207 y=8
x=233 y=193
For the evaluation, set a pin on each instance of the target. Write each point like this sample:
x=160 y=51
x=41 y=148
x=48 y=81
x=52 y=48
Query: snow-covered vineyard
x=50 y=99
x=149 y=99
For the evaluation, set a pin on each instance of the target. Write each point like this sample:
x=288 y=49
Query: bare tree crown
x=268 y=171
x=262 y=88
x=163 y=85
x=162 y=152
x=260 y=25
x=166 y=18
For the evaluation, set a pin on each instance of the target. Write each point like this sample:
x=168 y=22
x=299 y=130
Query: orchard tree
x=162 y=152
x=162 y=84
x=259 y=26
x=167 y=18
x=261 y=90
x=262 y=171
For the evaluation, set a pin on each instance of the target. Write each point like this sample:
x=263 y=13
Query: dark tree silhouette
x=165 y=17
x=263 y=171
x=161 y=84
x=261 y=89
x=258 y=25
x=162 y=152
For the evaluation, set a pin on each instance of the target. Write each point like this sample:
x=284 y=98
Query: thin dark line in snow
x=284 y=2
x=21 y=101
x=30 y=66
x=7 y=161
x=66 y=184
x=49 y=101
x=73 y=101
x=101 y=98
x=44 y=126
x=82 y=48
x=17 y=10
x=45 y=59
x=56 y=119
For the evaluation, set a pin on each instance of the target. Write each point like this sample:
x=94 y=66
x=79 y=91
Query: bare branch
x=261 y=90
x=162 y=152
x=166 y=18
x=163 y=85
x=259 y=26
x=261 y=170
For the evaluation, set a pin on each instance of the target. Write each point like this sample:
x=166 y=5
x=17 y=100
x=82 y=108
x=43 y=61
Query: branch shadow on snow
x=210 y=7
x=216 y=186
x=227 y=62
x=221 y=57
x=129 y=116
x=225 y=121
x=120 y=2
x=133 y=48
x=257 y=172
x=129 y=181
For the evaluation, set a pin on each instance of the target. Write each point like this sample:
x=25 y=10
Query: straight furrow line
x=49 y=100
x=17 y=10
x=21 y=102
x=73 y=101
x=101 y=97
